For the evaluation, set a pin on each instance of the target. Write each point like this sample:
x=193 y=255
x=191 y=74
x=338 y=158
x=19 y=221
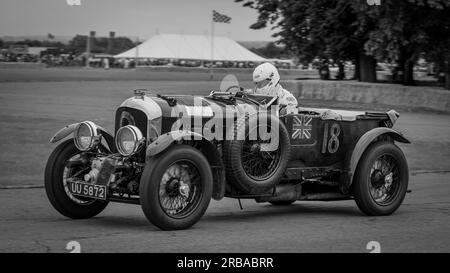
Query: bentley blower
x=172 y=154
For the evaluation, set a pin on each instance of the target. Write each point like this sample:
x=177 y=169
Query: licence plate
x=87 y=190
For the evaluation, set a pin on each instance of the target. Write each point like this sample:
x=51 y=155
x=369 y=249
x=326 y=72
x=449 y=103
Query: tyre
x=176 y=188
x=282 y=203
x=250 y=167
x=381 y=179
x=56 y=173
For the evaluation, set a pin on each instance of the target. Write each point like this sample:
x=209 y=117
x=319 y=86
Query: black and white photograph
x=240 y=129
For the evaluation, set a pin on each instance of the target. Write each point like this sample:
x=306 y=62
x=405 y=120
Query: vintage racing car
x=172 y=154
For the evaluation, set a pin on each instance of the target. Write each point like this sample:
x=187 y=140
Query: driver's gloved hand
x=288 y=109
x=283 y=109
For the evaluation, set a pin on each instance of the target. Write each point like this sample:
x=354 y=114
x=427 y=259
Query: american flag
x=220 y=18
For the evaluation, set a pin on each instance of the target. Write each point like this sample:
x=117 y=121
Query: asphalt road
x=31 y=112
x=29 y=224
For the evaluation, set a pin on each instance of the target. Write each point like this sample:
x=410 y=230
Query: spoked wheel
x=384 y=180
x=381 y=179
x=254 y=164
x=71 y=172
x=176 y=188
x=258 y=163
x=180 y=189
x=60 y=168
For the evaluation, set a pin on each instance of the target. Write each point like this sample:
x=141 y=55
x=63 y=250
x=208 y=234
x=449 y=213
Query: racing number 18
x=331 y=144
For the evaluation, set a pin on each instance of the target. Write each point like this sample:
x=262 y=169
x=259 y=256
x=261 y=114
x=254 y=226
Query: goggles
x=262 y=83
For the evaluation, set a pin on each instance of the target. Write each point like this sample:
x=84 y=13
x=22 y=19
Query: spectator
x=106 y=63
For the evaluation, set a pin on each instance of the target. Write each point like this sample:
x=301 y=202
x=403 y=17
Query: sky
x=132 y=18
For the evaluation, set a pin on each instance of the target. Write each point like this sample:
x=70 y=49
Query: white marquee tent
x=194 y=47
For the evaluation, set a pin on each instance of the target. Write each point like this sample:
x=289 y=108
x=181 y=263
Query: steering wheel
x=243 y=95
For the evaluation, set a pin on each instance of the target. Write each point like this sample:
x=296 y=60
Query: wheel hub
x=255 y=148
x=377 y=179
x=384 y=179
x=172 y=187
x=180 y=189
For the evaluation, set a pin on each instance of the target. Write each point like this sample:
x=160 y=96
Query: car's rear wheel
x=57 y=171
x=381 y=179
x=176 y=188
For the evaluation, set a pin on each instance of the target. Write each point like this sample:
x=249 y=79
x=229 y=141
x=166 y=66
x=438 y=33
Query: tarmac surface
x=30 y=113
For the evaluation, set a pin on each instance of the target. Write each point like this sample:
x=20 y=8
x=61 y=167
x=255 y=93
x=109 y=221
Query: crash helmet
x=265 y=77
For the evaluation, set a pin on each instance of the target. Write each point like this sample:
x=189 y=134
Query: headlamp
x=128 y=140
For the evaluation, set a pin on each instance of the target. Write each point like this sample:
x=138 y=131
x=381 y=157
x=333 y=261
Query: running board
x=294 y=192
x=118 y=199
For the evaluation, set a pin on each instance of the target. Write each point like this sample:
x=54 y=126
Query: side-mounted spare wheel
x=176 y=187
x=381 y=179
x=255 y=165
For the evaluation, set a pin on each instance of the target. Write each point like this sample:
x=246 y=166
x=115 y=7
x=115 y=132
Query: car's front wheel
x=381 y=179
x=176 y=188
x=57 y=171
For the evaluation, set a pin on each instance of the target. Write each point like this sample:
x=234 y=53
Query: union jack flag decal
x=301 y=127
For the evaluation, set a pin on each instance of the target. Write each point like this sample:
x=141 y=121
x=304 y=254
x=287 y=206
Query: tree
x=437 y=31
x=406 y=29
x=78 y=44
x=394 y=31
x=100 y=44
x=122 y=44
x=438 y=46
x=324 y=29
x=271 y=50
x=34 y=43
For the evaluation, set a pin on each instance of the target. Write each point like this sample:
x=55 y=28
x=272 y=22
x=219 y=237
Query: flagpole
x=88 y=49
x=211 y=72
x=136 y=59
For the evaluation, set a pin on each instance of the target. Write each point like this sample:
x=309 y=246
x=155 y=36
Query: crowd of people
x=108 y=61
x=48 y=59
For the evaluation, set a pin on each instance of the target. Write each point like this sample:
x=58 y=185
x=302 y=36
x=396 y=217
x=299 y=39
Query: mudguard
x=67 y=130
x=208 y=149
x=364 y=142
x=165 y=140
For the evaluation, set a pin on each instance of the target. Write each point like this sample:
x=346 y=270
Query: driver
x=267 y=82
